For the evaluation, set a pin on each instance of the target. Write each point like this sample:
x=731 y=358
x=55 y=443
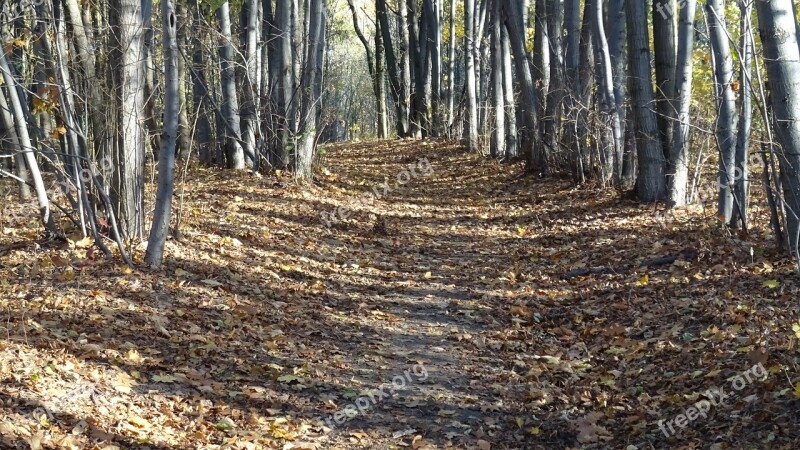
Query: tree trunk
x=612 y=139
x=471 y=129
x=650 y=183
x=199 y=91
x=127 y=29
x=380 y=84
x=777 y=28
x=432 y=13
x=664 y=53
x=166 y=159
x=397 y=90
x=234 y=152
x=498 y=146
x=556 y=88
x=541 y=55
x=512 y=149
x=249 y=80
x=405 y=67
x=616 y=49
x=283 y=9
x=726 y=105
x=311 y=89
x=529 y=103
x=741 y=171
x=21 y=129
x=678 y=172
x=451 y=68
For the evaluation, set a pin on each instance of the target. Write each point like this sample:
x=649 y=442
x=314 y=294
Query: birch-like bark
x=726 y=105
x=234 y=152
x=471 y=128
x=742 y=171
x=28 y=150
x=777 y=29
x=678 y=167
x=166 y=160
x=310 y=89
x=127 y=20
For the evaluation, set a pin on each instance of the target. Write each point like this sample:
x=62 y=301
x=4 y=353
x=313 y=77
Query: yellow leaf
x=797 y=390
x=428 y=275
x=644 y=280
x=138 y=421
x=133 y=356
x=85 y=242
x=771 y=284
x=534 y=431
x=796 y=329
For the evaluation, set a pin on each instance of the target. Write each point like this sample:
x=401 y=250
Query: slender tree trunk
x=535 y=158
x=512 y=150
x=380 y=84
x=283 y=9
x=395 y=81
x=556 y=90
x=612 y=139
x=777 y=28
x=498 y=146
x=405 y=68
x=650 y=182
x=166 y=160
x=184 y=129
x=249 y=80
x=471 y=129
x=741 y=171
x=234 y=152
x=678 y=172
x=616 y=48
x=432 y=13
x=451 y=69
x=311 y=89
x=664 y=53
x=726 y=122
x=541 y=56
x=199 y=91
x=127 y=22
x=583 y=92
x=21 y=129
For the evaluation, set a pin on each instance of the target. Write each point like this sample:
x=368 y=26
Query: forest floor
x=439 y=316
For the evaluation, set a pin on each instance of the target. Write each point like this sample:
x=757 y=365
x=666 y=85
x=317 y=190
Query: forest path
x=436 y=315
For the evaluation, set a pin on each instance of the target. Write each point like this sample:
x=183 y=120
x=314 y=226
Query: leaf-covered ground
x=441 y=312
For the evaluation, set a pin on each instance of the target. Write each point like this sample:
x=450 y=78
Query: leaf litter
x=266 y=321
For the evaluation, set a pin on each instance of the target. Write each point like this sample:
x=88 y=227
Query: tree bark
x=311 y=90
x=664 y=54
x=741 y=171
x=726 y=105
x=678 y=167
x=127 y=29
x=777 y=28
x=234 y=152
x=528 y=105
x=166 y=159
x=650 y=182
x=471 y=129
